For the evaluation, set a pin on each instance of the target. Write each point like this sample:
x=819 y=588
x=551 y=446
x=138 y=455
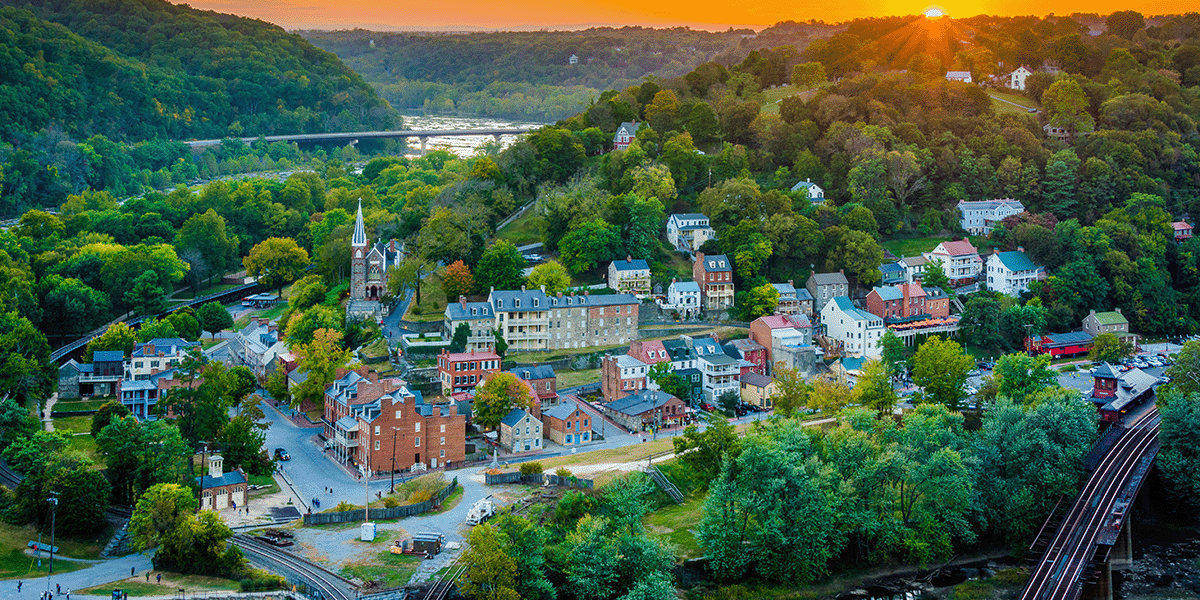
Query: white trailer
x=481 y=511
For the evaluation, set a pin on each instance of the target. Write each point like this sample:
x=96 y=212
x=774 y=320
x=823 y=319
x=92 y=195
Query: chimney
x=522 y=287
x=842 y=271
x=543 y=288
x=148 y=349
x=791 y=283
x=1118 y=311
x=587 y=293
x=560 y=295
x=1092 y=312
x=807 y=180
x=672 y=280
x=628 y=258
x=1021 y=249
x=462 y=301
x=699 y=257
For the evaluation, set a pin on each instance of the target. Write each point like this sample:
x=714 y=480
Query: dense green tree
x=409 y=275
x=980 y=322
x=590 y=245
x=214 y=318
x=276 y=261
x=500 y=268
x=1020 y=376
x=146 y=296
x=107 y=413
x=759 y=301
x=551 y=276
x=490 y=572
x=940 y=367
x=874 y=388
x=705 y=451
x=15 y=422
x=205 y=245
x=1179 y=458
x=1107 y=347
x=497 y=396
x=26 y=371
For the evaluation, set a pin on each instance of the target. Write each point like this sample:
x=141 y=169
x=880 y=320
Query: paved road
x=114 y=571
x=1022 y=107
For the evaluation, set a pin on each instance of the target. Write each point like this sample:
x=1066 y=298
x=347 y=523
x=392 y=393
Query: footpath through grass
x=385 y=568
x=15 y=564
x=170 y=586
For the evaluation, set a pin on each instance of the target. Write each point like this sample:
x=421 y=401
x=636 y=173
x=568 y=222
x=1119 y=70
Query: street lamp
x=393 y=485
x=53 y=499
x=203 y=451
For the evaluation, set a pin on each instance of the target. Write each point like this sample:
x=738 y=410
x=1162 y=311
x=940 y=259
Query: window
x=442 y=454
x=585 y=422
x=397 y=415
x=517 y=303
x=443 y=427
x=376 y=444
x=443 y=442
x=417 y=441
x=418 y=428
x=547 y=385
x=376 y=430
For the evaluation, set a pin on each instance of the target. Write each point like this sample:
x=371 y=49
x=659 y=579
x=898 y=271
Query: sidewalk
x=104 y=572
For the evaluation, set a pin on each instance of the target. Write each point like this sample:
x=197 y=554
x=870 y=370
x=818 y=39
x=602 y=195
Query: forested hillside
x=225 y=74
x=522 y=74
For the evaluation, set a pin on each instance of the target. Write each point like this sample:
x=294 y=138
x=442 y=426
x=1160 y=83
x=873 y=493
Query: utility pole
x=393 y=485
x=53 y=516
x=203 y=450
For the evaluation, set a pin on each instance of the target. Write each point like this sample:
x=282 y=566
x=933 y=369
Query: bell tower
x=358 y=258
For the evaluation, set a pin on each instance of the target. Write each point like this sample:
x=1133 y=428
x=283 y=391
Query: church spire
x=360 y=232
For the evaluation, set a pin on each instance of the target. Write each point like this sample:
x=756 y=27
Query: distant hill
x=143 y=69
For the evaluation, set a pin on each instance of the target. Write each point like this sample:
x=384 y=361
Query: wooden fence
x=382 y=514
x=536 y=479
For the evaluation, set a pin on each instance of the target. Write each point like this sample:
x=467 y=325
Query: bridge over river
x=355 y=136
x=1079 y=544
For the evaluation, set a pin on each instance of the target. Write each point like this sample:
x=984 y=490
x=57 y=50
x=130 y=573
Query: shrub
x=564 y=472
x=344 y=506
x=419 y=496
x=390 y=502
x=531 y=468
x=261 y=581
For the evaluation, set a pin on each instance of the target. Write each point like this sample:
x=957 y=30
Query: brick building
x=462 y=371
x=647 y=409
x=714 y=275
x=621 y=375
x=400 y=429
x=567 y=425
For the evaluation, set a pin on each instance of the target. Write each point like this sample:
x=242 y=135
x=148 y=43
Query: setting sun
x=934 y=12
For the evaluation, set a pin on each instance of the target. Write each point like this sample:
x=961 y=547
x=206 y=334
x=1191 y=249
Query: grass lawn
x=79 y=405
x=433 y=301
x=912 y=246
x=775 y=96
x=573 y=378
x=267 y=480
x=677 y=267
x=85 y=443
x=170 y=586
x=527 y=229
x=15 y=564
x=389 y=570
x=76 y=424
x=675 y=522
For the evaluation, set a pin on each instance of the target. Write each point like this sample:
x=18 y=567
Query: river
x=464 y=146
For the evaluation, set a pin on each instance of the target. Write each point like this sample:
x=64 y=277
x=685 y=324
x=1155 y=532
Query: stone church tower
x=368 y=268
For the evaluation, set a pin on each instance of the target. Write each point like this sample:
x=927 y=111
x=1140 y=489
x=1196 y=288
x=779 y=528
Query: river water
x=467 y=145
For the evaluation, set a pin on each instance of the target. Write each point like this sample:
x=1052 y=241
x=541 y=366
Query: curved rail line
x=328 y=585
x=441 y=589
x=1058 y=573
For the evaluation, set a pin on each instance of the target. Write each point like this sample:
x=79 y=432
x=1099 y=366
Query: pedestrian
x=58 y=587
x=68 y=593
x=158 y=577
x=147 y=576
x=19 y=584
x=131 y=571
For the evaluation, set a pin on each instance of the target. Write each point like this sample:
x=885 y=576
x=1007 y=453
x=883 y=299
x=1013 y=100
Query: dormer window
x=535 y=302
x=473 y=309
x=499 y=304
x=517 y=303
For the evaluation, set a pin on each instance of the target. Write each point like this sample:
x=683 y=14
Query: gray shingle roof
x=230 y=478
x=107 y=356
x=513 y=418
x=636 y=404
x=535 y=372
x=457 y=312
x=562 y=411
x=830 y=278
x=717 y=263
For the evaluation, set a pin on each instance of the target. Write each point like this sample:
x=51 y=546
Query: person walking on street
x=19 y=584
x=159 y=577
x=131 y=572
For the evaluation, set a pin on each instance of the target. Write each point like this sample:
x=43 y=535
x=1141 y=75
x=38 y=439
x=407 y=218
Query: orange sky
x=705 y=14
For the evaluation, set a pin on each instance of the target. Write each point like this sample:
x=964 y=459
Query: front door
x=416 y=458
x=433 y=463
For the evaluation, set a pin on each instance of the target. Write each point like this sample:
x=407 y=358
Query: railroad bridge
x=1084 y=539
x=354 y=137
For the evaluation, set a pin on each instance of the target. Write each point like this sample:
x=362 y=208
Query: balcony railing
x=93 y=378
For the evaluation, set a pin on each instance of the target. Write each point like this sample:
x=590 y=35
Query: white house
x=960 y=261
x=683 y=296
x=1010 y=273
x=719 y=370
x=520 y=432
x=815 y=194
x=959 y=76
x=574 y=60
x=629 y=276
x=688 y=231
x=979 y=216
x=858 y=330
x=1016 y=79
x=625 y=135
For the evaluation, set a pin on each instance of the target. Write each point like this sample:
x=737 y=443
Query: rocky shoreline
x=1161 y=570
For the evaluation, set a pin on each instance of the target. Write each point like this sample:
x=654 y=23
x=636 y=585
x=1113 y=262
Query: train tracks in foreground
x=324 y=584
x=441 y=588
x=1068 y=554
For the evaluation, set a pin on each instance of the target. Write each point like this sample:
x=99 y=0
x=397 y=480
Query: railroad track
x=1058 y=573
x=441 y=589
x=326 y=584
x=8 y=477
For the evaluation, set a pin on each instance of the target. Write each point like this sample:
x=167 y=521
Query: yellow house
x=758 y=389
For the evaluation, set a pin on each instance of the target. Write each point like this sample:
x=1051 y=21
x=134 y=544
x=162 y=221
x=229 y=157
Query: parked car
x=533 y=258
x=281 y=454
x=708 y=407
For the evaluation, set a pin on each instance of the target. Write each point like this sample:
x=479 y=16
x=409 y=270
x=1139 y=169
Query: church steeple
x=360 y=232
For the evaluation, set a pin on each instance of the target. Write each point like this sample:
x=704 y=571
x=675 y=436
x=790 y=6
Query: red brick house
x=567 y=424
x=400 y=429
x=753 y=355
x=462 y=371
x=543 y=381
x=714 y=275
x=622 y=375
x=650 y=352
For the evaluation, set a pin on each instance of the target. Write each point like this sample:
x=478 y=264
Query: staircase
x=119 y=544
x=665 y=484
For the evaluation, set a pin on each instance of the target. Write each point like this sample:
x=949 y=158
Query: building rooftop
x=1110 y=318
x=1074 y=338
x=514 y=417
x=461 y=356
x=230 y=478
x=1016 y=261
x=717 y=263
x=959 y=248
x=637 y=264
x=845 y=305
x=534 y=372
x=562 y=411
x=756 y=379
x=626 y=361
x=641 y=402
x=830 y=278
x=686 y=287
x=990 y=204
x=688 y=216
x=108 y=356
x=456 y=311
